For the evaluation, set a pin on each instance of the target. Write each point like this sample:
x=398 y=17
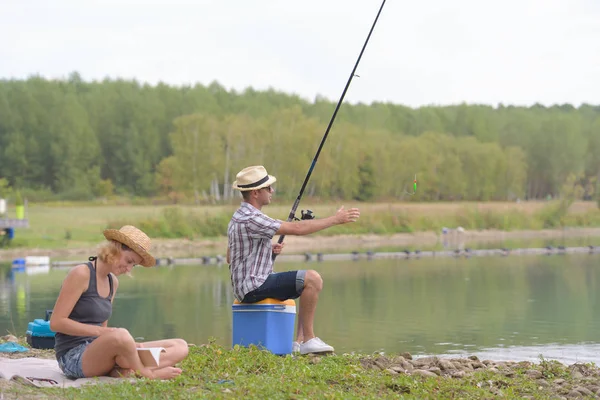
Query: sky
x=422 y=52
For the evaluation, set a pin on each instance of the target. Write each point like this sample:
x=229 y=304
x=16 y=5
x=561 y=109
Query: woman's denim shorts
x=70 y=362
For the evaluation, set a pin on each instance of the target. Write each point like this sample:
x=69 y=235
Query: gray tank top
x=91 y=309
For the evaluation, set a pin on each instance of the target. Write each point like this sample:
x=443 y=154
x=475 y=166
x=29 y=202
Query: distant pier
x=372 y=255
x=13 y=223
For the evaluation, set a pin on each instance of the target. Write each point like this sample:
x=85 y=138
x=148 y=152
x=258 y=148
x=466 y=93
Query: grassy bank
x=78 y=225
x=211 y=371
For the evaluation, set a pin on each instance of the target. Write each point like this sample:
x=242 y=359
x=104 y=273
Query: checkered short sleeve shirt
x=249 y=239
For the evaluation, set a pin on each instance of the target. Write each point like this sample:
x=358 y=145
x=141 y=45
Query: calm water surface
x=512 y=308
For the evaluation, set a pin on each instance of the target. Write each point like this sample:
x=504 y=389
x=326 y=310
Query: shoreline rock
x=579 y=380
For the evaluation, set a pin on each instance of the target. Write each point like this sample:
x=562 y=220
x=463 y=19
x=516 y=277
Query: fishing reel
x=305 y=215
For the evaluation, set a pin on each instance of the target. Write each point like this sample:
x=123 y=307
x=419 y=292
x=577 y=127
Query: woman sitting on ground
x=85 y=346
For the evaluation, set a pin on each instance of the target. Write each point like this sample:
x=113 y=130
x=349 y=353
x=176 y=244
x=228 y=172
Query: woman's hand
x=104 y=330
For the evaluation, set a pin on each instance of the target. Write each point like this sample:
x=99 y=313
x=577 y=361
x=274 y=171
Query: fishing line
x=292 y=214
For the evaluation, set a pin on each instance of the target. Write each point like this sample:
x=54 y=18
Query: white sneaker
x=295 y=347
x=315 y=345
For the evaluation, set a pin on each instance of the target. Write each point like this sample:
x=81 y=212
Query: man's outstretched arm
x=306 y=227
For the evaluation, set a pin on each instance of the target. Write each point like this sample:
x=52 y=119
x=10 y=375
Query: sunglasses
x=267 y=188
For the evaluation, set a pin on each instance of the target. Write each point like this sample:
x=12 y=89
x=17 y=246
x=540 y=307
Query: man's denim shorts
x=70 y=362
x=280 y=286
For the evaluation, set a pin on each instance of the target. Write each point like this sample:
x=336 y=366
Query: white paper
x=150 y=356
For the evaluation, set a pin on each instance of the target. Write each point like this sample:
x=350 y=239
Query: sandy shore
x=315 y=243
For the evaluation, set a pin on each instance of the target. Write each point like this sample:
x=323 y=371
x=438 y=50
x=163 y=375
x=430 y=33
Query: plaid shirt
x=250 y=233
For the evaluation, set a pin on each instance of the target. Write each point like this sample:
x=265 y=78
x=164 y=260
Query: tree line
x=78 y=140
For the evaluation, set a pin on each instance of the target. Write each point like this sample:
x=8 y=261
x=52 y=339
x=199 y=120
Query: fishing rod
x=308 y=214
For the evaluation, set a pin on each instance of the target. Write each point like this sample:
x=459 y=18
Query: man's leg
x=313 y=284
x=299 y=330
x=288 y=285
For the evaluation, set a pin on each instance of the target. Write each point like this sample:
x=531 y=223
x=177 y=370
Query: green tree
x=366 y=174
x=71 y=135
x=5 y=189
x=73 y=151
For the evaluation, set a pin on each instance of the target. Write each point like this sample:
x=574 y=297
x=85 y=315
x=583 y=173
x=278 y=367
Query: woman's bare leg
x=118 y=348
x=176 y=351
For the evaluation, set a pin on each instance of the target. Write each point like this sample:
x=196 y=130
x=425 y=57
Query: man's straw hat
x=135 y=239
x=253 y=178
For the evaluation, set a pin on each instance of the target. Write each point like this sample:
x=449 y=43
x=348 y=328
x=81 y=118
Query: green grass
x=211 y=371
x=76 y=225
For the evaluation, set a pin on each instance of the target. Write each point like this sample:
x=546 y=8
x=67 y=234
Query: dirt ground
x=313 y=243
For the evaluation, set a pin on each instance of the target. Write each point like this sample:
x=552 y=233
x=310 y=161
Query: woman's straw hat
x=135 y=239
x=253 y=178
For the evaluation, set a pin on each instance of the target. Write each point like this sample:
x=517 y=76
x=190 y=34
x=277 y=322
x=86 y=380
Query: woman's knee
x=122 y=338
x=100 y=356
x=182 y=347
x=313 y=279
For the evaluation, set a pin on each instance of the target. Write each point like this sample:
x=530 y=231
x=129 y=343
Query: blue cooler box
x=268 y=323
x=39 y=335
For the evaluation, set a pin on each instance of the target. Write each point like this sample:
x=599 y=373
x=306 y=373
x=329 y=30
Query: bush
x=19 y=199
x=39 y=195
x=174 y=223
x=182 y=222
x=552 y=216
x=76 y=194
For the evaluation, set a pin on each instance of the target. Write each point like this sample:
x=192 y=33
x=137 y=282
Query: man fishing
x=250 y=255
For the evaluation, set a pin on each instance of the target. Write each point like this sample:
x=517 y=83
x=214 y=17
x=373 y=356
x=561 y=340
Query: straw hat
x=253 y=178
x=135 y=239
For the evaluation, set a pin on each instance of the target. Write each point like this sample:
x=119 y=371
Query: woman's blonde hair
x=110 y=251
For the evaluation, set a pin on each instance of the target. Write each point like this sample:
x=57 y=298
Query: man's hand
x=344 y=216
x=277 y=247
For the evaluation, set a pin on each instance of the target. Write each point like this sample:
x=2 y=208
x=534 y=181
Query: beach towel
x=11 y=347
x=42 y=372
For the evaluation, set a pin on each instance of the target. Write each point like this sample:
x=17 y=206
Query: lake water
x=501 y=308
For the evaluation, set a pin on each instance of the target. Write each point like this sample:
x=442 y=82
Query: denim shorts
x=70 y=362
x=280 y=286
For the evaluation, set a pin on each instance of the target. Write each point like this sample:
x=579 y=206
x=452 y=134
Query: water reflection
x=502 y=308
x=565 y=353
